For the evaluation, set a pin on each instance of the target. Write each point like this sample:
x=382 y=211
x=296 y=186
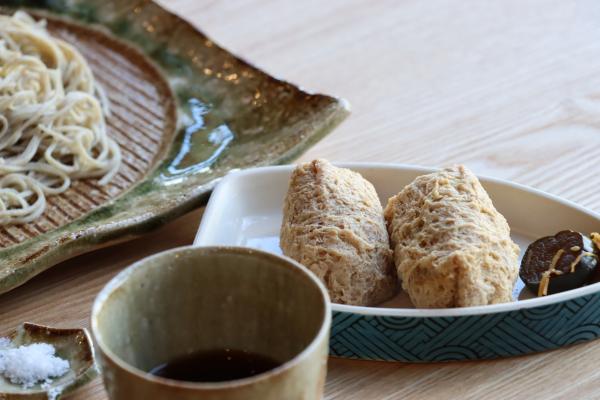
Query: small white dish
x=246 y=210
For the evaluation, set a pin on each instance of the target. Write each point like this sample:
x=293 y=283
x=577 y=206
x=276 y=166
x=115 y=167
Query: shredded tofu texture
x=31 y=364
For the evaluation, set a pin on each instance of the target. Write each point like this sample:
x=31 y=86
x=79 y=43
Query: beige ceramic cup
x=192 y=299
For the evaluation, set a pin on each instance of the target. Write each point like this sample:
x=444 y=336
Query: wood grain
x=511 y=88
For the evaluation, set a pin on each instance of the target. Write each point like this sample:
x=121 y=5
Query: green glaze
x=73 y=345
x=230 y=115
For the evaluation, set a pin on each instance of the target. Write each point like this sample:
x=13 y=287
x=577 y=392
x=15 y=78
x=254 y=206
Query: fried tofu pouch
x=333 y=224
x=451 y=247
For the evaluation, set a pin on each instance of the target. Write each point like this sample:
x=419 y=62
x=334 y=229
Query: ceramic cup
x=192 y=299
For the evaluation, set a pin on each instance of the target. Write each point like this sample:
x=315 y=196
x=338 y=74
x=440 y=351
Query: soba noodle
x=52 y=126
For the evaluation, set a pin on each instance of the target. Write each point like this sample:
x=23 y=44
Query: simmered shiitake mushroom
x=557 y=263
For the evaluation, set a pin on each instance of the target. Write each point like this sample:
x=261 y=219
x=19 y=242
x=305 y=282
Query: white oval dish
x=246 y=210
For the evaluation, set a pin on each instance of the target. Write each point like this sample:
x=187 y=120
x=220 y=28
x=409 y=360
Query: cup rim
x=123 y=275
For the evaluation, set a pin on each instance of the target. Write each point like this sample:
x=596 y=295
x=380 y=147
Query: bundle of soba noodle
x=52 y=127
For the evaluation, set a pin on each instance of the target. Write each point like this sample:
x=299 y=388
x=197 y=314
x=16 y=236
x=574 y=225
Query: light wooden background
x=509 y=87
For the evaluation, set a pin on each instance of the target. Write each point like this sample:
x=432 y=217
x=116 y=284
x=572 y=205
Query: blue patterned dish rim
x=427 y=335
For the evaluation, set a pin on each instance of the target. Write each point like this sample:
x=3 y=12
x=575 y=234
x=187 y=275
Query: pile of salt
x=28 y=365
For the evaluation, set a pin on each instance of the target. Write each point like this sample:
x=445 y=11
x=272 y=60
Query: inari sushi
x=451 y=247
x=333 y=224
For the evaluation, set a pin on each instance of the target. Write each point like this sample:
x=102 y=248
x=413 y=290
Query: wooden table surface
x=509 y=87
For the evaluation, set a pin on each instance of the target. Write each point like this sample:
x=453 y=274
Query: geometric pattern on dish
x=472 y=337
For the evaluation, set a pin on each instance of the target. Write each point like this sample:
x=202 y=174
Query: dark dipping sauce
x=215 y=366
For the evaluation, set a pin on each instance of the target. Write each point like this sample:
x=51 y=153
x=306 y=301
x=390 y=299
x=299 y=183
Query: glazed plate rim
x=410 y=312
x=287 y=121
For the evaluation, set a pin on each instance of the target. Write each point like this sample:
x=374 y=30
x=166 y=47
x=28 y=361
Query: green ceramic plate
x=185 y=112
